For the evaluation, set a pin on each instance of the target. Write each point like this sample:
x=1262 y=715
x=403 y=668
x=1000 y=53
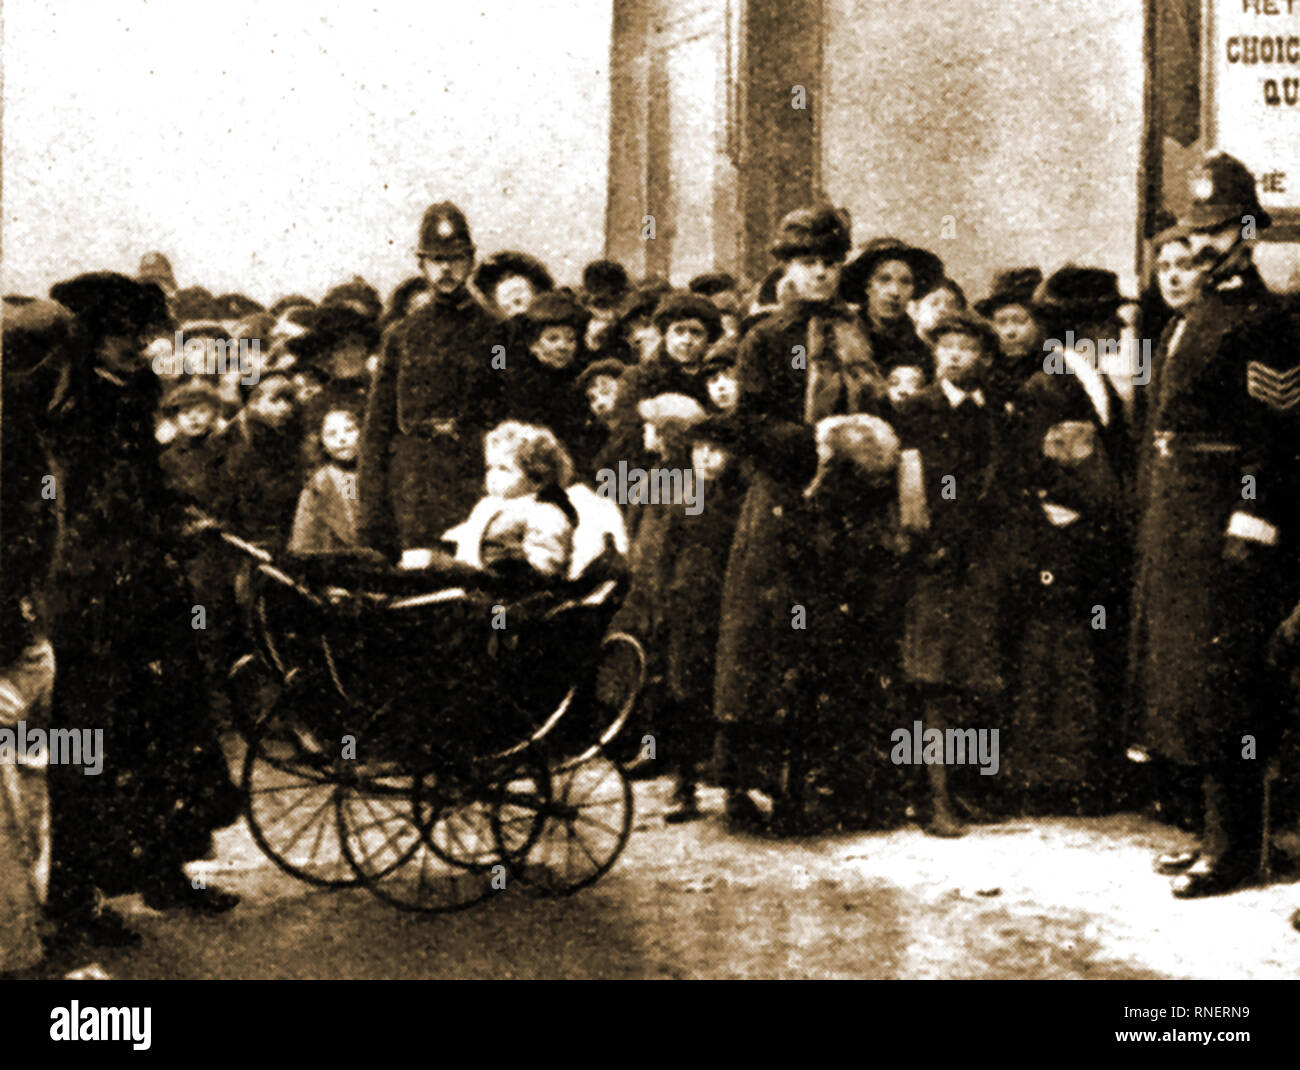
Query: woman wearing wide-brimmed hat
x=123 y=638
x=883 y=278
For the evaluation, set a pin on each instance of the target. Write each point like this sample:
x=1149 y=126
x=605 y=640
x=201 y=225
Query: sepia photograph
x=651 y=489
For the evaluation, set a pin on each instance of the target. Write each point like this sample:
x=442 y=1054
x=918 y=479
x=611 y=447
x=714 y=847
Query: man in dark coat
x=436 y=392
x=802 y=364
x=123 y=633
x=1219 y=534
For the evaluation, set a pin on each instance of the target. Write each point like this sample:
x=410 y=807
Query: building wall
x=1017 y=125
x=673 y=177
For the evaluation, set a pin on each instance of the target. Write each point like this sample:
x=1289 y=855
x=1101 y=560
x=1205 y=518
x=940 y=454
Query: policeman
x=435 y=393
x=1220 y=530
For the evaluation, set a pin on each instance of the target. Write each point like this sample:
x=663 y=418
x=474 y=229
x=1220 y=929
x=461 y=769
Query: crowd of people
x=883 y=507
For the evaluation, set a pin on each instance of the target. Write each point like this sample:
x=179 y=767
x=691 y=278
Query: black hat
x=1223 y=191
x=675 y=307
x=205 y=329
x=604 y=284
x=965 y=323
x=927 y=269
x=358 y=295
x=444 y=232
x=1011 y=286
x=502 y=265
x=107 y=303
x=722 y=357
x=555 y=309
x=290 y=301
x=713 y=282
x=154 y=267
x=609 y=366
x=1078 y=294
x=820 y=231
x=194 y=391
x=329 y=327
x=642 y=302
x=194 y=303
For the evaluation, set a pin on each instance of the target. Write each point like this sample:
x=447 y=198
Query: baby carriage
x=435 y=735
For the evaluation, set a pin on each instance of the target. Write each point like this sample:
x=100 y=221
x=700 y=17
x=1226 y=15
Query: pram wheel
x=375 y=825
x=588 y=821
x=292 y=790
x=463 y=815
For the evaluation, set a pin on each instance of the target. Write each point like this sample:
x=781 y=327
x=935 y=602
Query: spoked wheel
x=588 y=821
x=376 y=823
x=463 y=816
x=428 y=854
x=291 y=789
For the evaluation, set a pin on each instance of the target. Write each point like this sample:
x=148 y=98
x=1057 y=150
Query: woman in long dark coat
x=780 y=604
x=123 y=634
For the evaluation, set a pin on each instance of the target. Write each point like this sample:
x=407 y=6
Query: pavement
x=1035 y=898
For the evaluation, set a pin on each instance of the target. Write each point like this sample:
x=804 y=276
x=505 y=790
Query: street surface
x=1059 y=898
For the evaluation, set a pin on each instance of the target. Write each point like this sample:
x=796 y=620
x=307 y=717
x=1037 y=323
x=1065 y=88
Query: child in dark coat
x=951 y=650
x=692 y=599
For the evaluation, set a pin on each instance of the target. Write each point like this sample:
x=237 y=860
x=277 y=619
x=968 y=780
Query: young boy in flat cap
x=435 y=393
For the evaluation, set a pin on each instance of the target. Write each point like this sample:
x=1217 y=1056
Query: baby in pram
x=534 y=520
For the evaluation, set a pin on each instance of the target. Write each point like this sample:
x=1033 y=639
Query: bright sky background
x=272 y=147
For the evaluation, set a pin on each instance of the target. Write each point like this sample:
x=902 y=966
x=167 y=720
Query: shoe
x=1207 y=877
x=100 y=928
x=742 y=814
x=1173 y=863
x=683 y=812
x=179 y=894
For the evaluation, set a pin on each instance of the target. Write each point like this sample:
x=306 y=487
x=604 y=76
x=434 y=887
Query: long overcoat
x=1218 y=562
x=124 y=638
x=781 y=619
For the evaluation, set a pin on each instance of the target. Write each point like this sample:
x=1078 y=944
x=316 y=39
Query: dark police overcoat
x=1220 y=523
x=434 y=396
